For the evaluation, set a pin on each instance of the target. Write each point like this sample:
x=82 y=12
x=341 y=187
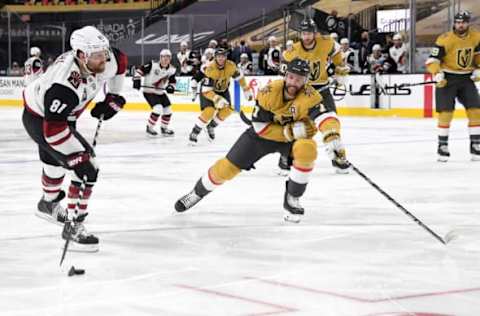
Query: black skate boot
x=475 y=151
x=191 y=198
x=211 y=130
x=284 y=163
x=151 y=132
x=443 y=152
x=166 y=132
x=340 y=162
x=52 y=211
x=193 y=138
x=336 y=152
x=80 y=239
x=187 y=201
x=293 y=211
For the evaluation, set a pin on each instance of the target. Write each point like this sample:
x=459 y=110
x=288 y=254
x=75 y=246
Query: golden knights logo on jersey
x=465 y=57
x=315 y=71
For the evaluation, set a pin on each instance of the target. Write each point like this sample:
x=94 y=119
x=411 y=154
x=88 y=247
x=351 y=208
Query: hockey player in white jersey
x=33 y=66
x=52 y=105
x=399 y=53
x=159 y=79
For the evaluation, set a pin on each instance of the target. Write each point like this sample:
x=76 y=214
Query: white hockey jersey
x=62 y=93
x=33 y=69
x=182 y=58
x=246 y=69
x=156 y=77
x=350 y=58
x=399 y=56
x=273 y=58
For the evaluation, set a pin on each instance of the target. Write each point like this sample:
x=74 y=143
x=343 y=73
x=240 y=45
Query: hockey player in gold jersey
x=214 y=95
x=284 y=121
x=318 y=50
x=455 y=64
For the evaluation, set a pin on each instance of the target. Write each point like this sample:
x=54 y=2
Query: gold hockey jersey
x=217 y=80
x=271 y=99
x=455 y=54
x=325 y=48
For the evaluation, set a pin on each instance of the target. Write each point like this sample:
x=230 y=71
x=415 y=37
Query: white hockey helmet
x=210 y=52
x=377 y=47
x=88 y=40
x=35 y=51
x=344 y=41
x=183 y=44
x=397 y=37
x=165 y=52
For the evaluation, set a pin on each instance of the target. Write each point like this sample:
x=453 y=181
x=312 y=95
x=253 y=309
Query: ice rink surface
x=353 y=254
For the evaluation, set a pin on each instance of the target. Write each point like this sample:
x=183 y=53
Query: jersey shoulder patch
x=75 y=79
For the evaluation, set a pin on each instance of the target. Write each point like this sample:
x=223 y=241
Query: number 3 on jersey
x=57 y=106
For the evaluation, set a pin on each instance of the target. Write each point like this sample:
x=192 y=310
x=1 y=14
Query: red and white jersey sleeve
x=33 y=69
x=115 y=70
x=62 y=93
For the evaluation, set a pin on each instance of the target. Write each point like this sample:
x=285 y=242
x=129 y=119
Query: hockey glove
x=220 y=102
x=476 y=75
x=112 y=104
x=440 y=79
x=298 y=130
x=137 y=82
x=83 y=165
x=248 y=94
x=170 y=89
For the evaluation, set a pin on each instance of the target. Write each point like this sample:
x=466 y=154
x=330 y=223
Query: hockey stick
x=406 y=85
x=150 y=87
x=398 y=205
x=67 y=228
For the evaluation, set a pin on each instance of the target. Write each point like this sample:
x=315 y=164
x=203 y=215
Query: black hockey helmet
x=308 y=25
x=299 y=66
x=462 y=16
x=221 y=51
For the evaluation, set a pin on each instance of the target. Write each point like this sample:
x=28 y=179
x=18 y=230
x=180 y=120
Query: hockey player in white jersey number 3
x=52 y=105
x=33 y=66
x=159 y=79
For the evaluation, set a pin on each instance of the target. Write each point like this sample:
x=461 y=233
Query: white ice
x=353 y=254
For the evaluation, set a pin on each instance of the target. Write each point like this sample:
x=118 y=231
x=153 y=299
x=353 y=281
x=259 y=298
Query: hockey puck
x=74 y=271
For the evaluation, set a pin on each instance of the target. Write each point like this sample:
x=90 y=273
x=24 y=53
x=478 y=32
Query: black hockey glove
x=170 y=89
x=137 y=82
x=112 y=104
x=83 y=165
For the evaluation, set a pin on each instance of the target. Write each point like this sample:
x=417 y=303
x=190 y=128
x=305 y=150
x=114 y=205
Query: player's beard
x=97 y=69
x=461 y=32
x=291 y=90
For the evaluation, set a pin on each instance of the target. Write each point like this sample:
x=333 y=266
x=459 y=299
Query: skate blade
x=168 y=135
x=76 y=247
x=48 y=218
x=442 y=159
x=342 y=171
x=283 y=173
x=291 y=218
x=151 y=135
x=475 y=158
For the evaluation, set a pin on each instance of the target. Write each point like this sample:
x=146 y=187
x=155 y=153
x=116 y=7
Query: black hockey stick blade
x=67 y=234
